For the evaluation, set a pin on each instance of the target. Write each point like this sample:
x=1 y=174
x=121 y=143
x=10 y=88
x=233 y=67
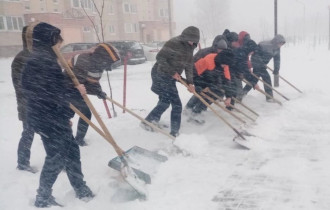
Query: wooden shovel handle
x=214 y=111
x=263 y=92
x=268 y=85
x=285 y=80
x=110 y=139
x=140 y=118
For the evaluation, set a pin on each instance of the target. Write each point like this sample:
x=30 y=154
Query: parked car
x=132 y=49
x=73 y=49
x=151 y=50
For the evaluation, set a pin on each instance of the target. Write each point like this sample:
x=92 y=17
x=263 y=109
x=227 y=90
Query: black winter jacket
x=44 y=84
x=16 y=75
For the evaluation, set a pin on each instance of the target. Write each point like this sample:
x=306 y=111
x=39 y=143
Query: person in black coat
x=48 y=113
x=25 y=143
x=211 y=72
x=175 y=56
x=88 y=68
x=265 y=51
x=241 y=66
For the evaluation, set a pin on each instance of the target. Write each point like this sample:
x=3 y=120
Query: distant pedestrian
x=175 y=56
x=265 y=51
x=48 y=113
x=88 y=68
x=25 y=143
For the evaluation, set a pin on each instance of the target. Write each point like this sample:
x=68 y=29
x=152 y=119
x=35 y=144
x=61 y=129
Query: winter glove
x=276 y=72
x=102 y=95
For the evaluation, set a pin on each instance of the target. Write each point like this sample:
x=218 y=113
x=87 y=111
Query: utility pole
x=275 y=17
x=170 y=18
x=329 y=27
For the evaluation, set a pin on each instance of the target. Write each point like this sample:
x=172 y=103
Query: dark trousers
x=82 y=125
x=259 y=72
x=61 y=153
x=170 y=97
x=196 y=105
x=24 y=146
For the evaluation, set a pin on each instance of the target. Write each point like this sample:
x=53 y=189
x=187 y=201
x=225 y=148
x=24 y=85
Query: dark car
x=73 y=49
x=132 y=49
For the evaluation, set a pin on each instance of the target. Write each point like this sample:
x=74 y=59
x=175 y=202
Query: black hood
x=45 y=35
x=216 y=40
x=226 y=57
x=190 y=33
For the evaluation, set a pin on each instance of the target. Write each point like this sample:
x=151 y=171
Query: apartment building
x=82 y=20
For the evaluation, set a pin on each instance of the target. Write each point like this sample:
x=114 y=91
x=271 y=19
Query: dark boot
x=45 y=199
x=84 y=193
x=27 y=168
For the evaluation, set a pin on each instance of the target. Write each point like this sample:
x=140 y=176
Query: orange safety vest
x=206 y=63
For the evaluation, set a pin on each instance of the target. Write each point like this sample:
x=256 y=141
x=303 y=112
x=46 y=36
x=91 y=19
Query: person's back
x=49 y=114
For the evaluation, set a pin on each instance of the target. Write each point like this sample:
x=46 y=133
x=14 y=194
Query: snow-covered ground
x=289 y=168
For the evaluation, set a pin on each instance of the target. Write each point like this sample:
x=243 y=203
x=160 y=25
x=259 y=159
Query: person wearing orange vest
x=88 y=68
x=211 y=72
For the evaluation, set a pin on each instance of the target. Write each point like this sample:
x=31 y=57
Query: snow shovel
x=126 y=171
x=222 y=107
x=286 y=81
x=268 y=85
x=238 y=101
x=218 y=97
x=263 y=92
x=214 y=111
x=140 y=118
x=116 y=162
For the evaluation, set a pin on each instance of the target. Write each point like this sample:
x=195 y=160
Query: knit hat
x=221 y=44
x=190 y=33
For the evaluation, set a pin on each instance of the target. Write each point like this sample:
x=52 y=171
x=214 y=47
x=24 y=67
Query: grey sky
x=295 y=17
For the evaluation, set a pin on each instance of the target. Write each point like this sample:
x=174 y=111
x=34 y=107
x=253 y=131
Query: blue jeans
x=24 y=146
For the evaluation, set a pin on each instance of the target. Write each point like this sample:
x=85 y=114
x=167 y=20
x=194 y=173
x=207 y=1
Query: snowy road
x=288 y=170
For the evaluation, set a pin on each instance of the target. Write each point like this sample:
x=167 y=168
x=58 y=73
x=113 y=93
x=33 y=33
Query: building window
x=55 y=1
x=75 y=3
x=112 y=29
x=27 y=5
x=133 y=8
x=11 y=23
x=87 y=4
x=126 y=8
x=163 y=12
x=131 y=27
x=86 y=29
x=2 y=23
x=129 y=8
x=110 y=10
x=55 y=10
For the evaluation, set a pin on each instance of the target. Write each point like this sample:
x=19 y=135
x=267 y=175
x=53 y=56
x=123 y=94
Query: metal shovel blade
x=250 y=141
x=142 y=162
